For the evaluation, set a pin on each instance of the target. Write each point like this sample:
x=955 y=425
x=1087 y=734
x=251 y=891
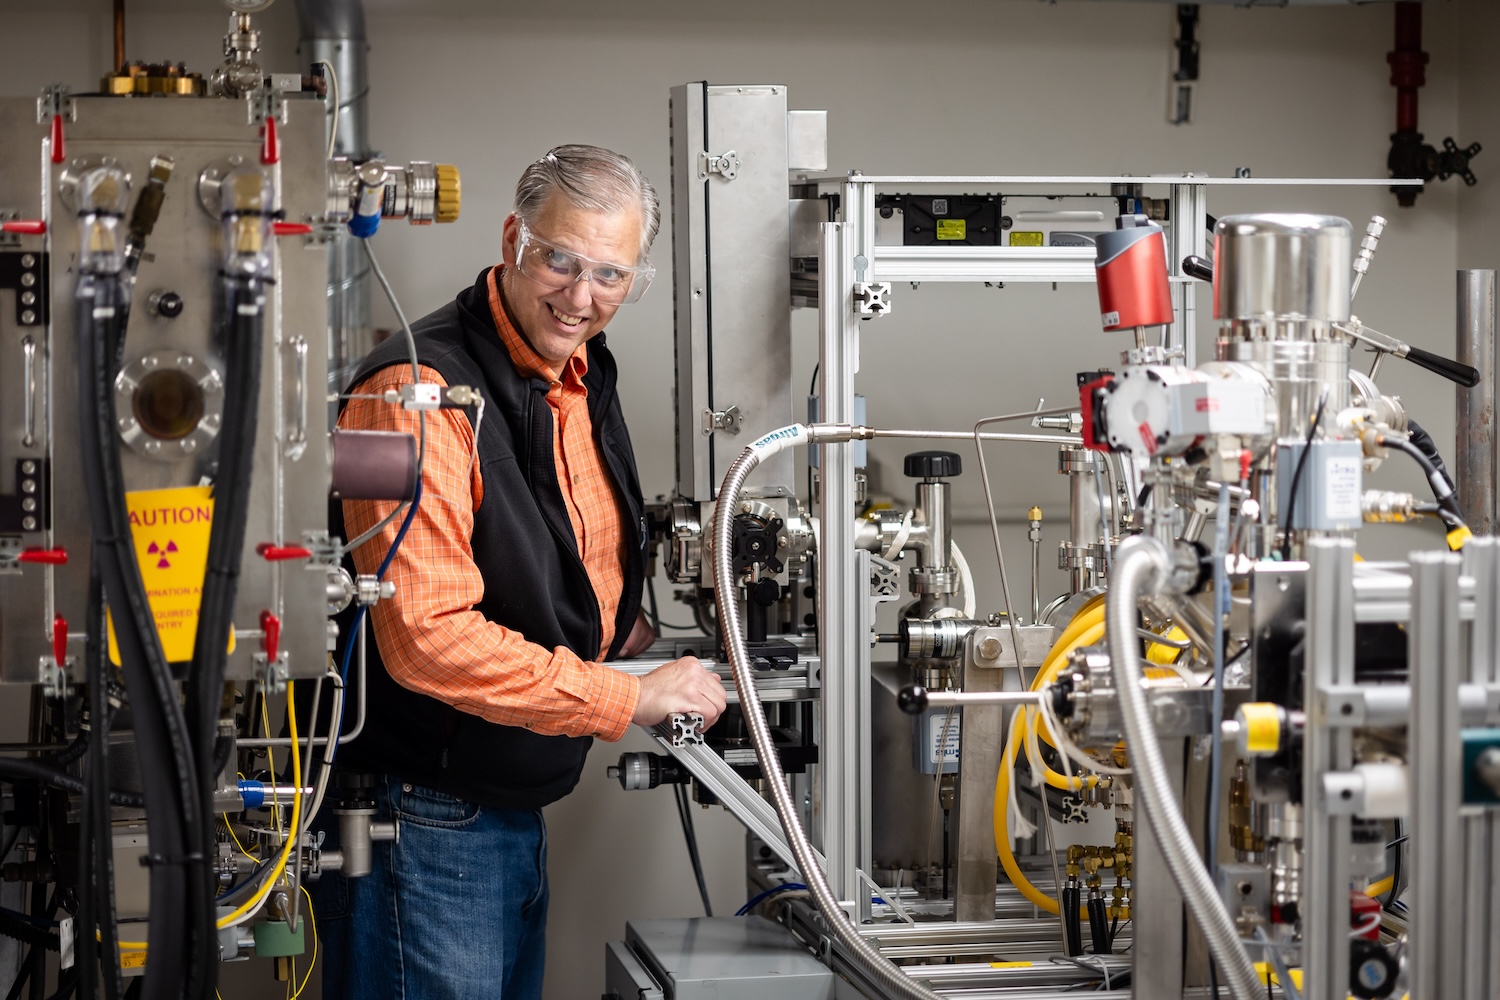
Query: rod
x=1475 y=466
x=119 y=36
x=983 y=436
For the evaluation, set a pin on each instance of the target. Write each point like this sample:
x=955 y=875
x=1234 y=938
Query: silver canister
x=1278 y=268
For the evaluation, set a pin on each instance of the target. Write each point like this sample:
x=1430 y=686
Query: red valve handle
x=277 y=553
x=60 y=640
x=291 y=228
x=29 y=227
x=270 y=146
x=59 y=151
x=271 y=625
x=52 y=557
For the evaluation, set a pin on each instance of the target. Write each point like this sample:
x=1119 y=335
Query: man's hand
x=642 y=635
x=684 y=685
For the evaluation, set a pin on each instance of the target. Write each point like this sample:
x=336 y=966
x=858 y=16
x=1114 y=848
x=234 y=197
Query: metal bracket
x=687 y=729
x=275 y=673
x=726 y=165
x=726 y=420
x=872 y=298
x=326 y=550
x=10 y=554
x=55 y=100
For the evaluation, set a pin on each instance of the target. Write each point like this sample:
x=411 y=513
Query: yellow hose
x=1086 y=628
x=1381 y=888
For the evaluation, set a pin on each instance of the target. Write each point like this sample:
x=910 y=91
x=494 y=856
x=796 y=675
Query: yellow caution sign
x=133 y=959
x=171 y=529
x=952 y=229
x=1027 y=239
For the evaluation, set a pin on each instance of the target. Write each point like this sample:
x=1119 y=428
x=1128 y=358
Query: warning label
x=952 y=229
x=171 y=529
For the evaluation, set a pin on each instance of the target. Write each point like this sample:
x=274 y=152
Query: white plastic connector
x=421 y=396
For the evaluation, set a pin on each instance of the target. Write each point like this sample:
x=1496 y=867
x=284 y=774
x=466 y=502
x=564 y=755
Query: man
x=520 y=575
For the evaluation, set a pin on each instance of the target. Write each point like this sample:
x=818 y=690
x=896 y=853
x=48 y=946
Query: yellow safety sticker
x=1458 y=536
x=170 y=529
x=952 y=229
x=1262 y=727
x=1027 y=240
x=1011 y=965
x=135 y=959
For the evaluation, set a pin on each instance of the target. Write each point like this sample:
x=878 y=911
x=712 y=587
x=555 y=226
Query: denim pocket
x=429 y=807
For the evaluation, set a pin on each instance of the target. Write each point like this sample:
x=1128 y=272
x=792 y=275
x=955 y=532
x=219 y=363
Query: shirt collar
x=530 y=364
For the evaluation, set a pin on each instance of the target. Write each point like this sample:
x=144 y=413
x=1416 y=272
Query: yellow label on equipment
x=1027 y=240
x=170 y=529
x=1262 y=723
x=952 y=229
x=1011 y=965
x=135 y=959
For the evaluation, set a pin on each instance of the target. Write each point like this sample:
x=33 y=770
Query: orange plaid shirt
x=431 y=638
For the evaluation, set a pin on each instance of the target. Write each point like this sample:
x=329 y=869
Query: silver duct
x=333 y=31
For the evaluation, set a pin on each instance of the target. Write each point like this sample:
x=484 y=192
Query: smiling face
x=555 y=321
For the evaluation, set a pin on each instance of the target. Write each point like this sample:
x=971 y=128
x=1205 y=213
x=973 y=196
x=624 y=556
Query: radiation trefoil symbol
x=157 y=550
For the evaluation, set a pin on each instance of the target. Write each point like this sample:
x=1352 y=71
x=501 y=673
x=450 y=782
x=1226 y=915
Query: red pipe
x=1408 y=64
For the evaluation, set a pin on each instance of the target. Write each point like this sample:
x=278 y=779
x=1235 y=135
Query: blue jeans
x=455 y=909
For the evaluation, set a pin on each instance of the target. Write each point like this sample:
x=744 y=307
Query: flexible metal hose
x=881 y=969
x=1139 y=565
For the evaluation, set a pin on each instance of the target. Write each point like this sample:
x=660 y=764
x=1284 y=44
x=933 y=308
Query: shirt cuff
x=609 y=698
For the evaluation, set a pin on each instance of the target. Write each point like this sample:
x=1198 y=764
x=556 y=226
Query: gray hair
x=593 y=178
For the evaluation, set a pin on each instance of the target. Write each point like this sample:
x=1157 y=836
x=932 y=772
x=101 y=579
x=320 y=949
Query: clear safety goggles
x=554 y=267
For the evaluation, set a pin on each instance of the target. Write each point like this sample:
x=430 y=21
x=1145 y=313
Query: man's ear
x=510 y=237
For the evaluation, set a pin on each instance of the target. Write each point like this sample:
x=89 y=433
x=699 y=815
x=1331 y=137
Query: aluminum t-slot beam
x=736 y=794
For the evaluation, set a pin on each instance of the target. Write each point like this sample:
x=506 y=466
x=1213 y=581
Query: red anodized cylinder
x=1131 y=266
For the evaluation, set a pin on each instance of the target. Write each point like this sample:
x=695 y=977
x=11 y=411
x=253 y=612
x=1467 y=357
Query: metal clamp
x=275 y=673
x=52 y=676
x=872 y=298
x=687 y=729
x=726 y=165
x=326 y=550
x=726 y=420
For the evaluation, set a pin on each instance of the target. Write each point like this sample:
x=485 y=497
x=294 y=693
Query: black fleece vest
x=523 y=544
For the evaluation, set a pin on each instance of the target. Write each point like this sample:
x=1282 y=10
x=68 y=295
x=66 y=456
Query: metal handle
x=299 y=432
x=28 y=349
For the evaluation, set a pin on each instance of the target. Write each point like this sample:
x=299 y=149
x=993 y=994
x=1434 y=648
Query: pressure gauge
x=247 y=6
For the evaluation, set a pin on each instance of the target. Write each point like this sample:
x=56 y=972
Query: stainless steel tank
x=1281 y=268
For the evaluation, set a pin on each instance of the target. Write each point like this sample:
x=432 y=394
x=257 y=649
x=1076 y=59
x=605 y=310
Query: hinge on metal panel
x=726 y=164
x=273 y=673
x=56 y=100
x=53 y=676
x=726 y=420
x=872 y=298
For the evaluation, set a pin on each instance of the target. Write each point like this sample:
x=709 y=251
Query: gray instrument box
x=713 y=958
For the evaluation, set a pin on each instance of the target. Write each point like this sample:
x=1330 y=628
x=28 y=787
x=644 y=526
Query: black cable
x=1390 y=898
x=1099 y=926
x=1442 y=492
x=684 y=812
x=656 y=623
x=1072 y=922
x=101 y=836
x=244 y=332
x=14 y=769
x=1291 y=502
x=179 y=931
x=1114 y=930
x=1428 y=447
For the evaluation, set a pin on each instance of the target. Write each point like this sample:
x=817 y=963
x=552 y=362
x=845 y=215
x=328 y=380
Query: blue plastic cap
x=253 y=792
x=364 y=226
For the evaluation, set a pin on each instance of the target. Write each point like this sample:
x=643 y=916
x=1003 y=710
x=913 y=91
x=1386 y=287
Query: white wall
x=963 y=87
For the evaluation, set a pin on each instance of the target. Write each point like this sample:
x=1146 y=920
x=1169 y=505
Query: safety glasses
x=554 y=267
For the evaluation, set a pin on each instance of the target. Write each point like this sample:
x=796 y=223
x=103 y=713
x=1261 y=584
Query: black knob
x=933 y=465
x=912 y=700
x=1372 y=970
x=169 y=305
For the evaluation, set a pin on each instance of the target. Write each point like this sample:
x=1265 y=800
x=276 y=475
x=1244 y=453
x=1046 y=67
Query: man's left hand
x=642 y=635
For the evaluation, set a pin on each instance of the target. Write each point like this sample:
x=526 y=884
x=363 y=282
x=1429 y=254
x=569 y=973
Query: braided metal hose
x=1140 y=564
x=880 y=968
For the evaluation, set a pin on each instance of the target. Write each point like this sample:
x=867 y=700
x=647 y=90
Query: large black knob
x=933 y=465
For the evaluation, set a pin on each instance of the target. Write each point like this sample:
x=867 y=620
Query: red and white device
x=1131 y=265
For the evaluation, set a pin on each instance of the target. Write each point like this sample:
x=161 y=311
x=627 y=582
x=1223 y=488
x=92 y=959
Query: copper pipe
x=119 y=36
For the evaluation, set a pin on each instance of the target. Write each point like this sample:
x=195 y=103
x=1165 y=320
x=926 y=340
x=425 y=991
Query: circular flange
x=168 y=404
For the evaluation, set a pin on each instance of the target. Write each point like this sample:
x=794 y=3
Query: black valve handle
x=1455 y=371
x=912 y=700
x=1197 y=267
